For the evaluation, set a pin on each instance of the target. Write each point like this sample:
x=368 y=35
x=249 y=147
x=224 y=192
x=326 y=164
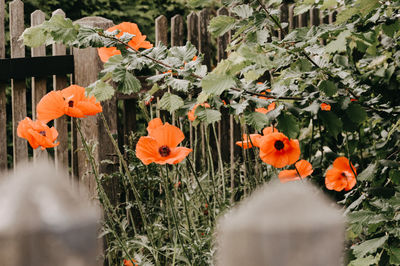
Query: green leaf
x=217 y=83
x=394 y=254
x=328 y=87
x=221 y=24
x=356 y=113
x=184 y=53
x=128 y=83
x=328 y=4
x=178 y=84
x=394 y=175
x=288 y=125
x=207 y=115
x=34 y=36
x=368 y=173
x=101 y=90
x=370 y=260
x=243 y=11
x=369 y=246
x=338 y=45
x=61 y=29
x=171 y=102
x=240 y=107
x=331 y=122
x=256 y=120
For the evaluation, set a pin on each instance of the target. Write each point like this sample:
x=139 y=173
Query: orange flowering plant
x=348 y=147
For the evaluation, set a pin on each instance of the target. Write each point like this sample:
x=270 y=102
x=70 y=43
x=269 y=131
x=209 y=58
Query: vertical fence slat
x=20 y=148
x=293 y=20
x=323 y=19
x=38 y=84
x=87 y=66
x=284 y=17
x=192 y=29
x=3 y=115
x=162 y=30
x=314 y=17
x=302 y=20
x=204 y=37
x=332 y=17
x=222 y=41
x=61 y=124
x=177 y=31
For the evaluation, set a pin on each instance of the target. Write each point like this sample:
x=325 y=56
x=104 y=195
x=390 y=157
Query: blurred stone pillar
x=282 y=224
x=44 y=221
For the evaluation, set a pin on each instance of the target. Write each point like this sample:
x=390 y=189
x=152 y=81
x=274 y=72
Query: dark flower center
x=43 y=133
x=279 y=145
x=164 y=151
x=71 y=103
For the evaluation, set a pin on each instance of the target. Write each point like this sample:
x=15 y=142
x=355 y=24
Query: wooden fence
x=87 y=65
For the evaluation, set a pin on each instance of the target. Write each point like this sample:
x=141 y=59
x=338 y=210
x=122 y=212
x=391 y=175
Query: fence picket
x=20 y=148
x=161 y=30
x=192 y=29
x=284 y=17
x=204 y=37
x=3 y=115
x=177 y=31
x=38 y=83
x=61 y=124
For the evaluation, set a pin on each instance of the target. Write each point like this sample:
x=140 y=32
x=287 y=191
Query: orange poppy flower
x=248 y=143
x=137 y=41
x=325 y=107
x=37 y=133
x=70 y=101
x=161 y=145
x=264 y=111
x=129 y=262
x=303 y=167
x=191 y=115
x=341 y=176
x=277 y=150
x=153 y=124
x=269 y=130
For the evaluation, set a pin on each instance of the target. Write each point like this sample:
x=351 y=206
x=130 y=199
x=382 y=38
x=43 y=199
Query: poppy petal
x=153 y=124
x=288 y=175
x=168 y=135
x=269 y=130
x=88 y=108
x=50 y=107
x=147 y=150
x=305 y=168
x=74 y=92
x=177 y=155
x=106 y=52
x=343 y=164
x=334 y=180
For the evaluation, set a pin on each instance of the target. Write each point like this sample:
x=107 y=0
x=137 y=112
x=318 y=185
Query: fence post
x=162 y=30
x=87 y=66
x=282 y=224
x=20 y=148
x=61 y=124
x=3 y=116
x=45 y=222
x=38 y=83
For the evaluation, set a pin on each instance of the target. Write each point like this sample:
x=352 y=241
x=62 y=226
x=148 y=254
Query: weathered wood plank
x=332 y=17
x=193 y=29
x=61 y=124
x=204 y=37
x=284 y=17
x=222 y=41
x=293 y=20
x=303 y=20
x=38 y=84
x=314 y=17
x=162 y=30
x=177 y=31
x=87 y=67
x=129 y=118
x=20 y=148
x=3 y=115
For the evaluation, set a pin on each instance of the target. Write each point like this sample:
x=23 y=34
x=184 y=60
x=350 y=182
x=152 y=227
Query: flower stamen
x=164 y=151
x=279 y=145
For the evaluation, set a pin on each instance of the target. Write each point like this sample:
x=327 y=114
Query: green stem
x=172 y=209
x=198 y=181
x=135 y=192
x=221 y=164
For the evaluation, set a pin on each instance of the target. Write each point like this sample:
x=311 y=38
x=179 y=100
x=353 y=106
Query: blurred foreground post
x=282 y=224
x=44 y=222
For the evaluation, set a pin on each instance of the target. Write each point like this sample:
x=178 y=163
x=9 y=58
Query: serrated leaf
x=207 y=115
x=128 y=83
x=184 y=53
x=171 y=102
x=34 y=36
x=368 y=173
x=243 y=11
x=215 y=84
x=240 y=107
x=394 y=254
x=221 y=24
x=256 y=120
x=101 y=90
x=288 y=125
x=61 y=29
x=338 y=45
x=394 y=175
x=178 y=84
x=356 y=113
x=370 y=260
x=331 y=122
x=328 y=87
x=369 y=246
